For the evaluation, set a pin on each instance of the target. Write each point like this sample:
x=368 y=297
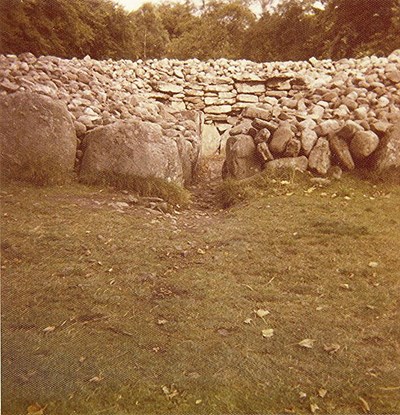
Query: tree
x=218 y=32
x=355 y=27
x=150 y=36
x=283 y=34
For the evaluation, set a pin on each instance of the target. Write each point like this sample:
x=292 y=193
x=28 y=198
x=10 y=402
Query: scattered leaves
x=162 y=322
x=365 y=404
x=307 y=343
x=322 y=392
x=35 y=409
x=49 y=329
x=262 y=313
x=96 y=379
x=223 y=332
x=170 y=392
x=390 y=388
x=267 y=333
x=331 y=348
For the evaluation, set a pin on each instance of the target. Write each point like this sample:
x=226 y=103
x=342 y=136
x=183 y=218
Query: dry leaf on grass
x=314 y=407
x=365 y=404
x=170 y=392
x=49 y=329
x=267 y=333
x=247 y=321
x=331 y=348
x=307 y=343
x=390 y=388
x=35 y=409
x=373 y=264
x=96 y=379
x=199 y=401
x=261 y=313
x=322 y=392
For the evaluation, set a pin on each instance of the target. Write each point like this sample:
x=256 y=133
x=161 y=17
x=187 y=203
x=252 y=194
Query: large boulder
x=242 y=159
x=130 y=148
x=37 y=137
x=363 y=144
x=319 y=159
x=281 y=138
x=210 y=140
x=341 y=151
x=388 y=152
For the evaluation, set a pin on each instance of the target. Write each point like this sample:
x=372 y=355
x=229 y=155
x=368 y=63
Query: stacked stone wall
x=315 y=97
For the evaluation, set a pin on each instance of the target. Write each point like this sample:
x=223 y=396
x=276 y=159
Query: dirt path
x=204 y=192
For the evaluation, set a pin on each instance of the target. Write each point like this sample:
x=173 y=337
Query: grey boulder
x=37 y=137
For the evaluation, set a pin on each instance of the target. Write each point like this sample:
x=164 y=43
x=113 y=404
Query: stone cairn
x=311 y=114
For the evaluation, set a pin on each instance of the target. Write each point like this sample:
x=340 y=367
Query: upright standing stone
x=37 y=137
x=319 y=159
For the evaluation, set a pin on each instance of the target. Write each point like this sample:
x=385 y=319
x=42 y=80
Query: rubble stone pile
x=318 y=113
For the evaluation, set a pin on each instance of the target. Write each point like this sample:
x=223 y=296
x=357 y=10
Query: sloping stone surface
x=129 y=149
x=37 y=136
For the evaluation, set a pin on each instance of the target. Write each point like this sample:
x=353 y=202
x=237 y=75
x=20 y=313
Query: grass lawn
x=133 y=311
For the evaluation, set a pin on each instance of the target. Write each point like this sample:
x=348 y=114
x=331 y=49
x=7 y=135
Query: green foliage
x=150 y=35
x=292 y=30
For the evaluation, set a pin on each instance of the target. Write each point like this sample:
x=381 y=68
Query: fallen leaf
x=373 y=264
x=201 y=251
x=170 y=392
x=267 y=333
x=345 y=286
x=162 y=322
x=365 y=404
x=314 y=408
x=96 y=379
x=248 y=321
x=307 y=343
x=302 y=395
x=49 y=329
x=262 y=313
x=347 y=198
x=390 y=388
x=82 y=359
x=35 y=409
x=322 y=392
x=331 y=348
x=199 y=401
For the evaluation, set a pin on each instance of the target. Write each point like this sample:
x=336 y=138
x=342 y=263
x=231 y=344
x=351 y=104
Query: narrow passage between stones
x=205 y=190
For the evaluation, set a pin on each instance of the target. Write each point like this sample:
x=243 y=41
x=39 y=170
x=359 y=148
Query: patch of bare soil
x=205 y=197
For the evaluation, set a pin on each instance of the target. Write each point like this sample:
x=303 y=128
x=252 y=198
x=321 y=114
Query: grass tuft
x=281 y=181
x=390 y=176
x=151 y=186
x=40 y=172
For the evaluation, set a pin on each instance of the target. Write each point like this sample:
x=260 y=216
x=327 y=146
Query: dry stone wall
x=324 y=110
